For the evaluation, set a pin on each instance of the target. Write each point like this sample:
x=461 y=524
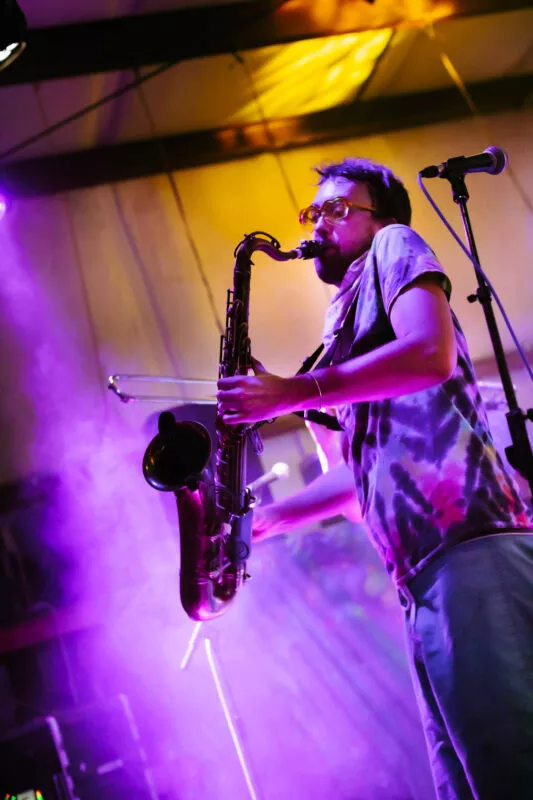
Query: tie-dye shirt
x=426 y=470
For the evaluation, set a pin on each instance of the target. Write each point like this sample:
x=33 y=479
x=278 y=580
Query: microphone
x=492 y=160
x=279 y=470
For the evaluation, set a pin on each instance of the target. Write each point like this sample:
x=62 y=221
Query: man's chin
x=330 y=270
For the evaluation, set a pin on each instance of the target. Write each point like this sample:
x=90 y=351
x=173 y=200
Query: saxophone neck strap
x=328 y=420
x=309 y=362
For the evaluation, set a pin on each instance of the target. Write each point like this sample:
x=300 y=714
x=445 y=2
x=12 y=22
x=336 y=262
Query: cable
x=454 y=74
x=264 y=120
x=364 y=87
x=478 y=269
x=83 y=111
x=267 y=129
x=143 y=269
x=83 y=283
x=118 y=93
x=137 y=84
x=161 y=149
x=273 y=145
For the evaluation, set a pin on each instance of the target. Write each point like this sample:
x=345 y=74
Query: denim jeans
x=469 y=620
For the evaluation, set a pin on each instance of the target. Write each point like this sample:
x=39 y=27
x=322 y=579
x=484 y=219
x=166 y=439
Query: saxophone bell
x=177 y=456
x=213 y=547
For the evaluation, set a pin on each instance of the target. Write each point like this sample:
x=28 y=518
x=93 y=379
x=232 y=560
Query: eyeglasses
x=332 y=210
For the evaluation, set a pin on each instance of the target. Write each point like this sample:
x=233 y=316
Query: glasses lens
x=336 y=209
x=309 y=215
x=332 y=210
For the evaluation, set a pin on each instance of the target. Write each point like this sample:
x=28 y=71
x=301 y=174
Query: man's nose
x=322 y=225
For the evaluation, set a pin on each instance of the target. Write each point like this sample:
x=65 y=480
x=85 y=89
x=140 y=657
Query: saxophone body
x=214 y=505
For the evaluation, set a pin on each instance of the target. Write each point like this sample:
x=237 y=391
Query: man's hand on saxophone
x=254 y=398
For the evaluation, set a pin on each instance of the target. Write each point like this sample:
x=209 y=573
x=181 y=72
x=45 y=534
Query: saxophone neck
x=264 y=242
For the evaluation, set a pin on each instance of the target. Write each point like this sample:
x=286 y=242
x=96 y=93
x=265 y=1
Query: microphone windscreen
x=499 y=159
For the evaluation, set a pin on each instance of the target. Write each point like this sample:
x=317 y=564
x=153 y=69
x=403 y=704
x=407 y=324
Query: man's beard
x=331 y=268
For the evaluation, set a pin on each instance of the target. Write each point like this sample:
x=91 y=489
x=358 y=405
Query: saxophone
x=215 y=506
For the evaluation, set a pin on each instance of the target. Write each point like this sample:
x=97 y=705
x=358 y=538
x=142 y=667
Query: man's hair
x=389 y=195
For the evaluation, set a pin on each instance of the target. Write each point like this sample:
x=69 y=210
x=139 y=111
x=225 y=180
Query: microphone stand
x=519 y=453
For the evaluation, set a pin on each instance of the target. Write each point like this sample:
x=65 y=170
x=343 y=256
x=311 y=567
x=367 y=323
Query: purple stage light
x=4 y=205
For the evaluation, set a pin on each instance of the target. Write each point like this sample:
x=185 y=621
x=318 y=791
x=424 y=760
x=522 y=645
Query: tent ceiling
x=96 y=165
x=235 y=103
x=120 y=42
x=65 y=12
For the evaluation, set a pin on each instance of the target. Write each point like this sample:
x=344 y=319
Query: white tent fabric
x=107 y=280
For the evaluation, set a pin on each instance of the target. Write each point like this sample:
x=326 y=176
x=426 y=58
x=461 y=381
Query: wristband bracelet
x=317 y=385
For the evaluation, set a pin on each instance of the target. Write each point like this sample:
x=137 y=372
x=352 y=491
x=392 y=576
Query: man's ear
x=382 y=222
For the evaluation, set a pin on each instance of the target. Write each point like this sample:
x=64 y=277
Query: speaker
x=107 y=759
x=91 y=753
x=34 y=763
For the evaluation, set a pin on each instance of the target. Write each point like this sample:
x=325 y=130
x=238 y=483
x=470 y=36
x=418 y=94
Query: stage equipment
x=115 y=383
x=279 y=470
x=215 y=506
x=106 y=753
x=4 y=205
x=34 y=763
x=13 y=32
x=86 y=753
x=494 y=161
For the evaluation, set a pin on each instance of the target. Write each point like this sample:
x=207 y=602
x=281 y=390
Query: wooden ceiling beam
x=145 y=40
x=67 y=171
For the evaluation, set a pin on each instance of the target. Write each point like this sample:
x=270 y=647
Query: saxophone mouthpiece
x=309 y=249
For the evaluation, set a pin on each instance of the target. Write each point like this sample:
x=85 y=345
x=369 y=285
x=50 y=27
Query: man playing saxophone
x=420 y=465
